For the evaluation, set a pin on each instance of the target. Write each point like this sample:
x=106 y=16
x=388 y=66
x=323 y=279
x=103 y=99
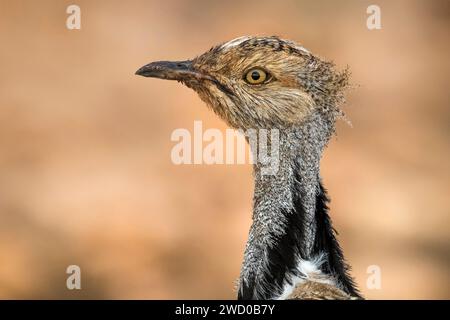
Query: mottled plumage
x=271 y=83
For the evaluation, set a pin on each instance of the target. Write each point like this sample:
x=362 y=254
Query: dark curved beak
x=181 y=71
x=169 y=70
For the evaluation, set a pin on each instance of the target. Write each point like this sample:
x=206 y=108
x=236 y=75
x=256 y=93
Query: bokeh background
x=85 y=170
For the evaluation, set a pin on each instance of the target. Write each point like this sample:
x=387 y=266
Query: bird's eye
x=256 y=76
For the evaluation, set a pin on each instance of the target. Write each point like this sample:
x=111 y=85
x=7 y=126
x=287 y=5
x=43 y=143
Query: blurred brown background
x=85 y=170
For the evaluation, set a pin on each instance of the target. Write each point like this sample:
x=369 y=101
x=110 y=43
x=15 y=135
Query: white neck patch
x=310 y=271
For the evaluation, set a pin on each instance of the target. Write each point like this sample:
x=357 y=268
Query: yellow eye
x=256 y=76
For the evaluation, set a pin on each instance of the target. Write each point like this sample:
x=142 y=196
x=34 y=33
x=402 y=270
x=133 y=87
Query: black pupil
x=255 y=75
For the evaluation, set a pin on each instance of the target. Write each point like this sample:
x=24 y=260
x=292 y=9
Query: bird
x=266 y=82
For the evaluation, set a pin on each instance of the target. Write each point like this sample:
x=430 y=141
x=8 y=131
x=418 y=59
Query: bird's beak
x=169 y=70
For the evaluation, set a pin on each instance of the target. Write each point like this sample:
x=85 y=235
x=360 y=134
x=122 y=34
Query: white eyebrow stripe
x=234 y=42
x=299 y=47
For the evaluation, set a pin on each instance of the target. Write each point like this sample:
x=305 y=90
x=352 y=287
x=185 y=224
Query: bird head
x=259 y=82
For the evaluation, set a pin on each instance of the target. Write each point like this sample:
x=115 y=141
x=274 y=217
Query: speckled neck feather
x=290 y=219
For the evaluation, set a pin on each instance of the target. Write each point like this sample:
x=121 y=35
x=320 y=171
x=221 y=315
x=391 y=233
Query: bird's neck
x=291 y=230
